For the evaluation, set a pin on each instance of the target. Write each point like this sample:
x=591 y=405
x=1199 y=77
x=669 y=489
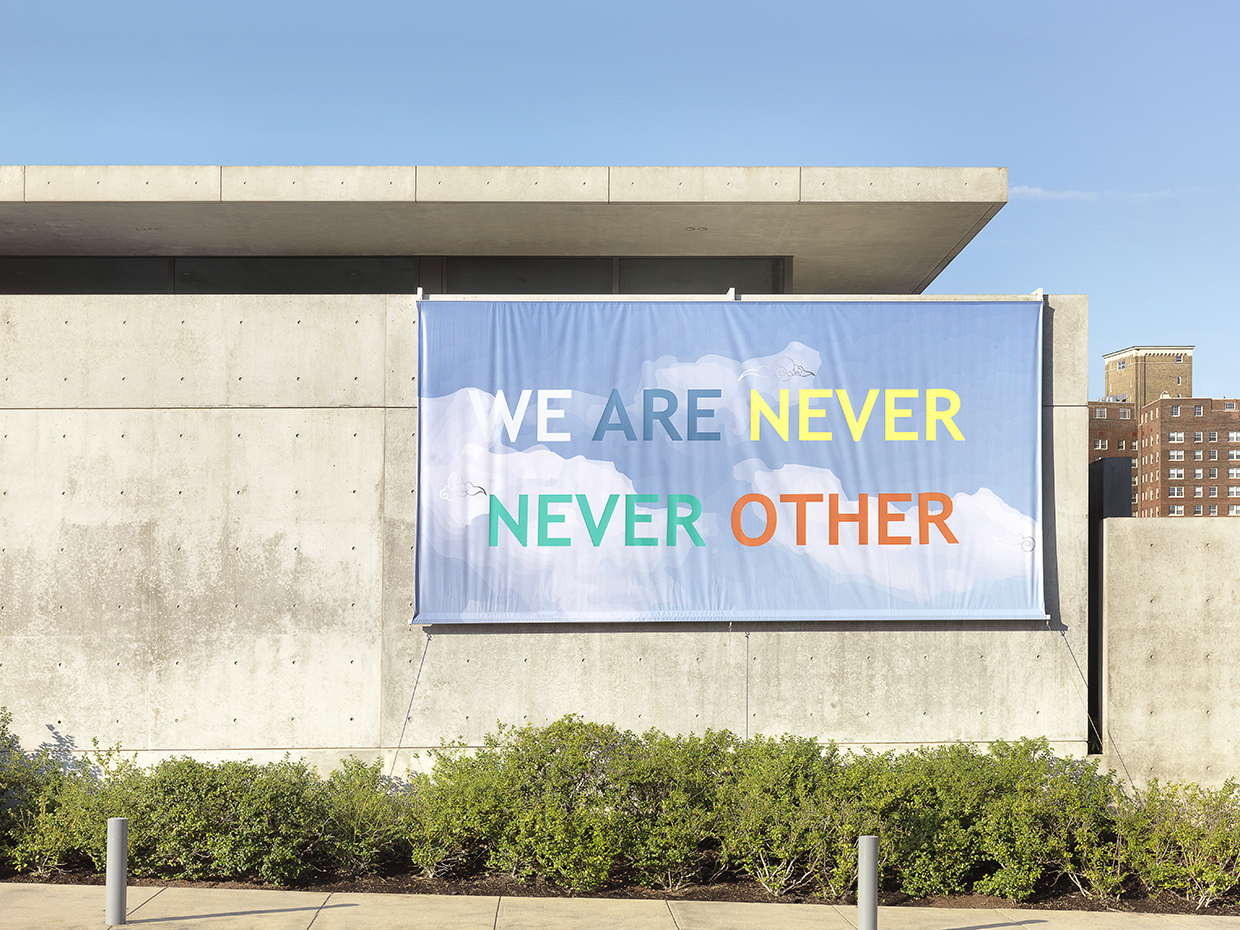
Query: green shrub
x=277 y=823
x=1086 y=844
x=546 y=801
x=862 y=793
x=769 y=821
x=66 y=823
x=1003 y=821
x=441 y=826
x=1185 y=839
x=582 y=804
x=187 y=819
x=673 y=784
x=367 y=818
x=942 y=794
x=1047 y=816
x=23 y=779
x=567 y=820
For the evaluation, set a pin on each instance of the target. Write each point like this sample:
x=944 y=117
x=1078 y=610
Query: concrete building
x=208 y=439
x=1141 y=374
x=1189 y=458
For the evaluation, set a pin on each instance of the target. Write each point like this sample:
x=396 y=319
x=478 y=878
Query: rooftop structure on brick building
x=1141 y=374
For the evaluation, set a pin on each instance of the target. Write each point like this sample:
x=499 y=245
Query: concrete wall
x=1171 y=622
x=207 y=539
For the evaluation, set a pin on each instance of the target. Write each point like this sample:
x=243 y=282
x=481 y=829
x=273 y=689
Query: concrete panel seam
x=387 y=316
x=412 y=694
x=1063 y=639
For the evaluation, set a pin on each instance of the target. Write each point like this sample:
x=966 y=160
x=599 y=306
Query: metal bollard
x=867 y=883
x=118 y=870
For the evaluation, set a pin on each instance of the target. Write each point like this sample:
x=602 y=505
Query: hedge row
x=582 y=804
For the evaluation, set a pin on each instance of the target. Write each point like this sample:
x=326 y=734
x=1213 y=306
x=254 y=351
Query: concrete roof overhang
x=847 y=230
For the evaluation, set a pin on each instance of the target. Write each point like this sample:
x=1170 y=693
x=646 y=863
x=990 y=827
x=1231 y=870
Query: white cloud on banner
x=997 y=542
x=791 y=369
x=462 y=469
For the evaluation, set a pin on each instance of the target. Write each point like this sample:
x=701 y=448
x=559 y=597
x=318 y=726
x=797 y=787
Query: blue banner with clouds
x=604 y=461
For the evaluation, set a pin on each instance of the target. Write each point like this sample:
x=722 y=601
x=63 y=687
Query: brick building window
x=1233 y=491
x=1233 y=455
x=1233 y=510
x=1100 y=413
x=1175 y=411
x=1214 y=455
x=1197 y=491
x=1177 y=510
x=1100 y=443
x=1177 y=491
x=1213 y=472
x=1229 y=405
x=1120 y=364
x=1199 y=410
x=1196 y=510
x=1175 y=455
x=1199 y=436
x=1179 y=358
x=1214 y=510
x=1213 y=492
x=1197 y=455
x=1213 y=436
x=1198 y=473
x=1175 y=473
x=1175 y=437
x=1233 y=436
x=1125 y=413
x=1233 y=474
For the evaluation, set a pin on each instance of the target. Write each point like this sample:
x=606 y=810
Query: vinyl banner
x=615 y=461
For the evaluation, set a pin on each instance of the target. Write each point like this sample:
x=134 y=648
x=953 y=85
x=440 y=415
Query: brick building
x=1142 y=374
x=1113 y=434
x=1188 y=458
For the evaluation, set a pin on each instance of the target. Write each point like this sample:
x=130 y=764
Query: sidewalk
x=53 y=907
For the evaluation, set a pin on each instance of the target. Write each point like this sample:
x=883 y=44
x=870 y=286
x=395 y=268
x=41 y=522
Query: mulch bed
x=1062 y=896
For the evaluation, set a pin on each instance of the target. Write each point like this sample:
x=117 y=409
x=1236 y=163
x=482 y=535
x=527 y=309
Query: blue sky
x=1118 y=121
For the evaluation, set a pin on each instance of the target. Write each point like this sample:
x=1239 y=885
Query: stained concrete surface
x=224 y=565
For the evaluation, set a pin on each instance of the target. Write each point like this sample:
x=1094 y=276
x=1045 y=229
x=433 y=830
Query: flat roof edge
x=1186 y=349
x=743 y=298
x=71 y=184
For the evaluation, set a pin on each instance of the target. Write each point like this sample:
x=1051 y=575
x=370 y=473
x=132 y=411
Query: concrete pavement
x=72 y=907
